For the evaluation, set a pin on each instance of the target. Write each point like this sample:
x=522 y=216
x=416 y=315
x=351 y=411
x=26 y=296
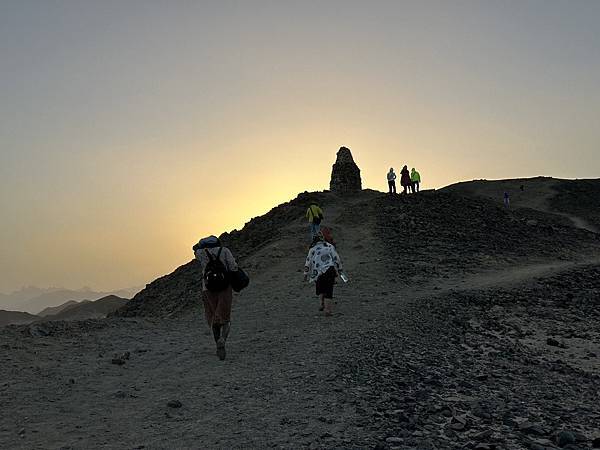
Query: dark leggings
x=216 y=332
x=392 y=186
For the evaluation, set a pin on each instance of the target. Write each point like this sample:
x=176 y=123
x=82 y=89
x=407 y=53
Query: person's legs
x=322 y=307
x=405 y=190
x=417 y=186
x=328 y=280
x=314 y=229
x=225 y=328
x=390 y=186
x=394 y=186
x=216 y=329
x=222 y=319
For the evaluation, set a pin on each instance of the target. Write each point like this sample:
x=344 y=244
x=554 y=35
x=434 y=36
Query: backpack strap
x=213 y=258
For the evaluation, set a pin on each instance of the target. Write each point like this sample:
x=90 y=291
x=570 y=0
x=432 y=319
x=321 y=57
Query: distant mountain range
x=53 y=310
x=36 y=300
x=71 y=310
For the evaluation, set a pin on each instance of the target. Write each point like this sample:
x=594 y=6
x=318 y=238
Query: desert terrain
x=465 y=324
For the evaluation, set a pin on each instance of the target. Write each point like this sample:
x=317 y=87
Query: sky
x=130 y=129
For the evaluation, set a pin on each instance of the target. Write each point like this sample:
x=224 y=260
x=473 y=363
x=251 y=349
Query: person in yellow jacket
x=314 y=214
x=415 y=179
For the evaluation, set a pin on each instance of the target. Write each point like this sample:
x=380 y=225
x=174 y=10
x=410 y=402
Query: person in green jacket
x=314 y=214
x=415 y=179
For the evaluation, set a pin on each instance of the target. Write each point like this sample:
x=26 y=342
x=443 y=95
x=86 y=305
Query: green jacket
x=414 y=176
x=312 y=212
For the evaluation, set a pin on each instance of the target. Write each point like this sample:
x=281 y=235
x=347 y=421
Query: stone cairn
x=345 y=175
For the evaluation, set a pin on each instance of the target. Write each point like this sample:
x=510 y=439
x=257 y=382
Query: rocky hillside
x=180 y=291
x=433 y=233
x=578 y=200
x=465 y=325
x=15 y=318
x=442 y=233
x=503 y=368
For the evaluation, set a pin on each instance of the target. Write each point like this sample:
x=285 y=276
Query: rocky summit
x=345 y=174
x=464 y=325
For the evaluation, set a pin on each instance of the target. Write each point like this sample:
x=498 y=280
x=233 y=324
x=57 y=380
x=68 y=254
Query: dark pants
x=325 y=282
x=392 y=186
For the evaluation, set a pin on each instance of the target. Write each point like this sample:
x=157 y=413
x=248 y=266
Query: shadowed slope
x=576 y=200
x=442 y=234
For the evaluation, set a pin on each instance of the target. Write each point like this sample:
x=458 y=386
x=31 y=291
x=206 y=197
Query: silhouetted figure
x=314 y=214
x=322 y=266
x=405 y=179
x=217 y=294
x=506 y=199
x=415 y=179
x=391 y=178
x=522 y=188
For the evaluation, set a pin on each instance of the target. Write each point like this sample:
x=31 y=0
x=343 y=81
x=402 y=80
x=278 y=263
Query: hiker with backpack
x=323 y=265
x=415 y=179
x=405 y=179
x=218 y=265
x=314 y=214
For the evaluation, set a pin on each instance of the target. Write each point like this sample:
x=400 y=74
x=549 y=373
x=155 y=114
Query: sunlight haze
x=128 y=130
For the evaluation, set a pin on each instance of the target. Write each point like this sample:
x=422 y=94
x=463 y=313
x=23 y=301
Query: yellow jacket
x=312 y=212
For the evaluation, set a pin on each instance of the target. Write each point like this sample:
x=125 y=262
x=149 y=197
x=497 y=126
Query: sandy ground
x=278 y=388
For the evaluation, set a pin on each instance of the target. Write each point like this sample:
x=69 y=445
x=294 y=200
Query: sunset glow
x=126 y=137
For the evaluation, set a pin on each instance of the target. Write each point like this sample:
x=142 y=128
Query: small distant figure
x=217 y=294
x=522 y=188
x=506 y=199
x=415 y=179
x=391 y=178
x=323 y=265
x=314 y=214
x=405 y=179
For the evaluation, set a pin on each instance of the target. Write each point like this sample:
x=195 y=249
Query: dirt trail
x=511 y=276
x=580 y=223
x=274 y=390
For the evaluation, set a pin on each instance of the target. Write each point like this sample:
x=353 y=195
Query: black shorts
x=325 y=283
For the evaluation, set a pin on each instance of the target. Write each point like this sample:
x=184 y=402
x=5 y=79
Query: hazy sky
x=129 y=129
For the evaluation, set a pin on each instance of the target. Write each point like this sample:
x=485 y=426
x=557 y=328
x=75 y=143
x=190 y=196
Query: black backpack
x=215 y=273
